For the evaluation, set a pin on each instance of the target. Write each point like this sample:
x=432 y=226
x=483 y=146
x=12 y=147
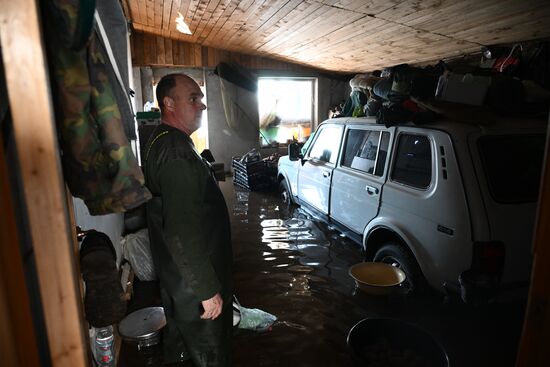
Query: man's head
x=180 y=102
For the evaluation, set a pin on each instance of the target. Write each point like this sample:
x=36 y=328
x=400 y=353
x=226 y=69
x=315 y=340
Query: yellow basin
x=377 y=278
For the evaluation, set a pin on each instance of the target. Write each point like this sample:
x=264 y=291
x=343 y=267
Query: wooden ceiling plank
x=211 y=22
x=248 y=22
x=158 y=11
x=181 y=6
x=388 y=57
x=166 y=12
x=524 y=31
x=381 y=51
x=290 y=22
x=150 y=12
x=285 y=20
x=372 y=27
x=319 y=29
x=509 y=20
x=348 y=33
x=207 y=18
x=171 y=20
x=407 y=12
x=197 y=17
x=470 y=13
x=365 y=7
x=299 y=21
x=187 y=10
x=209 y=39
x=267 y=19
x=229 y=24
x=142 y=7
x=192 y=8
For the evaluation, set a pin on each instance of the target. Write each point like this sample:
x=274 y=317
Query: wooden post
x=43 y=187
x=17 y=337
x=533 y=347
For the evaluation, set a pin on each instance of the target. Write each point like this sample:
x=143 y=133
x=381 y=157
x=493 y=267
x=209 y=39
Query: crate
x=256 y=176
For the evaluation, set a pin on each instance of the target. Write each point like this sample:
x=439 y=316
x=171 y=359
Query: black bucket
x=391 y=342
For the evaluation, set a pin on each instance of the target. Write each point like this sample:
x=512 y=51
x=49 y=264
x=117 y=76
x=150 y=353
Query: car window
x=362 y=151
x=307 y=144
x=512 y=165
x=413 y=161
x=325 y=147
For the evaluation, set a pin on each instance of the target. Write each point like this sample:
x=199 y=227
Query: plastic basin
x=377 y=278
x=392 y=342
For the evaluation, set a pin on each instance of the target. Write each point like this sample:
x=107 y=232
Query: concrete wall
x=238 y=132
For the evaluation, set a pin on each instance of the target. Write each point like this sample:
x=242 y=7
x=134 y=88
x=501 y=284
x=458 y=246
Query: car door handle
x=371 y=190
x=326 y=174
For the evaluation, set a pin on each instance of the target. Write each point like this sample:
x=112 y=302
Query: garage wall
x=227 y=140
x=241 y=133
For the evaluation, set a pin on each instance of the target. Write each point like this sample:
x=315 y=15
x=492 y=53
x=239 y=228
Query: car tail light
x=488 y=257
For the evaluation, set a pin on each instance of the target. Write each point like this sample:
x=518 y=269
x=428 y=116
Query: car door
x=358 y=179
x=316 y=173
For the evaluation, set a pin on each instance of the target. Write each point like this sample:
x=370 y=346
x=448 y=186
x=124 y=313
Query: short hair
x=165 y=86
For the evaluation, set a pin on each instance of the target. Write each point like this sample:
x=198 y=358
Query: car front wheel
x=284 y=193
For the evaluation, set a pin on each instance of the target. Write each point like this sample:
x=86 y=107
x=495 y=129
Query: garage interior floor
x=295 y=267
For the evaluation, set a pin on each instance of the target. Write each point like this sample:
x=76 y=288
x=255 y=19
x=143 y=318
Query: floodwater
x=294 y=266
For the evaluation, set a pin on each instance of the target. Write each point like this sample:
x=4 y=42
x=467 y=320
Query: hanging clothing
x=98 y=163
x=116 y=27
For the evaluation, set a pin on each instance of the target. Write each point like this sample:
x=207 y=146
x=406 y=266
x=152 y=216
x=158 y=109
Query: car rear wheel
x=400 y=257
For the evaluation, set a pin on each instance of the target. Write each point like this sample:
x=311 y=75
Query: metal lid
x=142 y=324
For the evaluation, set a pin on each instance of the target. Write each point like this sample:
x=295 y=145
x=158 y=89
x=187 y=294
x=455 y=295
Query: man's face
x=186 y=104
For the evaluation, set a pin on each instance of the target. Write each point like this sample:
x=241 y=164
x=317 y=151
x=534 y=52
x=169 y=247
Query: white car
x=452 y=204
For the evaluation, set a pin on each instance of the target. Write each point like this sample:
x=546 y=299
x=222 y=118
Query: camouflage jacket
x=98 y=163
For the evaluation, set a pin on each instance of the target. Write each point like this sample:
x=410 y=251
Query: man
x=190 y=232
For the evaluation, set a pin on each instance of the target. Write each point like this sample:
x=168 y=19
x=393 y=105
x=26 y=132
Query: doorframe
x=43 y=188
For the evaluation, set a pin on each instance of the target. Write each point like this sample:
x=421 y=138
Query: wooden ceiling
x=346 y=35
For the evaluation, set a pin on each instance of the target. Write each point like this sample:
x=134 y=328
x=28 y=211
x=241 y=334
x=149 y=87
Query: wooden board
x=43 y=186
x=319 y=32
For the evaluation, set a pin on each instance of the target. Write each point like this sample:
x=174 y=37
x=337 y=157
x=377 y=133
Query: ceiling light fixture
x=181 y=25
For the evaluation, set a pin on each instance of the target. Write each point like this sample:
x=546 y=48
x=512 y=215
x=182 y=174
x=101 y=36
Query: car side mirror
x=294 y=152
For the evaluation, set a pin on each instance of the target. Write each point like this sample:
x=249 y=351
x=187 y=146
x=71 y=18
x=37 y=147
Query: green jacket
x=188 y=220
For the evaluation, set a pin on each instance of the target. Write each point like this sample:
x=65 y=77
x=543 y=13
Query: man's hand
x=212 y=307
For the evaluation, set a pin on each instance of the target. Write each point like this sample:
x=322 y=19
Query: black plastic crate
x=253 y=176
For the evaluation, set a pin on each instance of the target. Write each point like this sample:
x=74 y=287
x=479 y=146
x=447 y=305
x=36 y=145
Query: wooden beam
x=533 y=347
x=43 y=187
x=17 y=337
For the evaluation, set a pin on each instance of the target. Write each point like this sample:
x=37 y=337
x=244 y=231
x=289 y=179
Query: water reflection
x=290 y=264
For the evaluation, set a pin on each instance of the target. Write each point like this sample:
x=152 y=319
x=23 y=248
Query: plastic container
x=377 y=278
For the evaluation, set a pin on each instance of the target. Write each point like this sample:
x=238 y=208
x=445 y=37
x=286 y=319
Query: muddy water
x=294 y=266
x=288 y=263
